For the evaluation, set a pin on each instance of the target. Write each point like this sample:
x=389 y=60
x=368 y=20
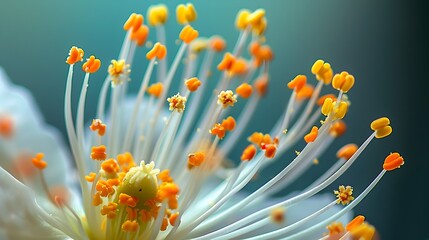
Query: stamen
x=244 y=90
x=134 y=22
x=393 y=161
x=217 y=44
x=310 y=137
x=196 y=159
x=248 y=153
x=98 y=153
x=92 y=65
x=118 y=72
x=75 y=55
x=140 y=35
x=343 y=82
x=185 y=14
x=270 y=150
x=381 y=127
x=156 y=89
x=323 y=71
x=157 y=14
x=159 y=51
x=38 y=161
x=277 y=215
x=241 y=21
x=297 y=83
x=188 y=34
x=335 y=228
x=355 y=223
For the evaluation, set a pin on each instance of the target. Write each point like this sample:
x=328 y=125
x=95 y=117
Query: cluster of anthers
x=127 y=199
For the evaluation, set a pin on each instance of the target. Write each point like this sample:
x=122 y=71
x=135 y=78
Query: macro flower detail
x=143 y=172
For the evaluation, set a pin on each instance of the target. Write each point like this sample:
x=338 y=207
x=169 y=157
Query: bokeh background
x=382 y=43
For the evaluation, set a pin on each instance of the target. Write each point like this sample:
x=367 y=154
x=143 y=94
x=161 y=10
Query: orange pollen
x=164 y=176
x=75 y=55
x=188 y=34
x=91 y=65
x=261 y=85
x=126 y=199
x=98 y=126
x=226 y=63
x=229 y=123
x=344 y=195
x=265 y=53
x=91 y=177
x=130 y=226
x=131 y=213
x=347 y=151
x=168 y=190
x=238 y=67
x=310 y=137
x=38 y=161
x=335 y=228
x=393 y=161
x=260 y=139
x=159 y=51
x=244 y=90
x=254 y=48
x=355 y=222
x=134 y=22
x=248 y=153
x=338 y=128
x=321 y=100
x=217 y=44
x=164 y=224
x=109 y=210
x=305 y=93
x=172 y=218
x=126 y=161
x=140 y=35
x=155 y=89
x=297 y=83
x=270 y=150
x=110 y=166
x=196 y=159
x=193 y=84
x=218 y=130
x=96 y=201
x=98 y=153
x=104 y=188
x=6 y=126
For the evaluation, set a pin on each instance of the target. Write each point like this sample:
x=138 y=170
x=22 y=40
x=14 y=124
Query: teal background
x=379 y=42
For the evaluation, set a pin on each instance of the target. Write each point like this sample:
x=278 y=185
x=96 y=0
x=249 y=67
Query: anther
x=134 y=22
x=140 y=35
x=218 y=130
x=109 y=210
x=244 y=90
x=238 y=67
x=75 y=55
x=196 y=159
x=126 y=199
x=338 y=128
x=381 y=127
x=297 y=83
x=6 y=126
x=261 y=85
x=92 y=65
x=321 y=100
x=155 y=89
x=38 y=161
x=193 y=84
x=305 y=93
x=185 y=14
x=177 y=103
x=229 y=123
x=217 y=44
x=98 y=126
x=226 y=63
x=278 y=215
x=110 y=168
x=347 y=151
x=188 y=34
x=270 y=150
x=363 y=231
x=343 y=81
x=159 y=51
x=355 y=223
x=310 y=137
x=157 y=15
x=344 y=195
x=91 y=177
x=322 y=71
x=130 y=226
x=335 y=228
x=248 y=153
x=241 y=19
x=393 y=161
x=98 y=153
x=226 y=99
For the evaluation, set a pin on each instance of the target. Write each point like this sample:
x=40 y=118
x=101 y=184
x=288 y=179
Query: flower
x=144 y=176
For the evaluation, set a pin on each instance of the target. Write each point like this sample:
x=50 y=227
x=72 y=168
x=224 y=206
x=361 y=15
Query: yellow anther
x=92 y=65
x=297 y=83
x=90 y=177
x=278 y=215
x=244 y=90
x=38 y=161
x=241 y=21
x=126 y=199
x=130 y=226
x=134 y=22
x=226 y=99
x=185 y=14
x=75 y=55
x=323 y=71
x=159 y=51
x=335 y=228
x=343 y=81
x=270 y=150
x=198 y=45
x=248 y=153
x=347 y=151
x=188 y=34
x=338 y=128
x=381 y=127
x=140 y=35
x=217 y=44
x=261 y=85
x=321 y=100
x=341 y=110
x=226 y=63
x=177 y=103
x=164 y=176
x=97 y=125
x=96 y=200
x=155 y=89
x=157 y=15
x=173 y=217
x=305 y=93
x=193 y=84
x=109 y=210
x=256 y=17
x=196 y=159
x=98 y=153
x=229 y=123
x=355 y=223
x=393 y=161
x=363 y=231
x=327 y=106
x=110 y=167
x=310 y=137
x=218 y=130
x=344 y=195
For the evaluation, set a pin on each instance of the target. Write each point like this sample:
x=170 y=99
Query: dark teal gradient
x=377 y=41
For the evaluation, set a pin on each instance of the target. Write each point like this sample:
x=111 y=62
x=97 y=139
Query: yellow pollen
x=344 y=195
x=226 y=99
x=218 y=130
x=110 y=168
x=241 y=21
x=157 y=15
x=90 y=177
x=177 y=103
x=185 y=13
x=118 y=71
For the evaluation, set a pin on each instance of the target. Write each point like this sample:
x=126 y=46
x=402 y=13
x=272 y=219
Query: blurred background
x=380 y=42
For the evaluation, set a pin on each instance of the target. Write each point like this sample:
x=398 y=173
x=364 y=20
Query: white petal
x=21 y=216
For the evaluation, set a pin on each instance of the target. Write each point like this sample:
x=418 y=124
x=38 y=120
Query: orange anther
x=98 y=126
x=130 y=226
x=248 y=153
x=75 y=55
x=38 y=161
x=355 y=222
x=92 y=65
x=110 y=166
x=158 y=51
x=297 y=83
x=244 y=90
x=126 y=199
x=393 y=161
x=260 y=139
x=310 y=137
x=134 y=22
x=217 y=44
x=270 y=150
x=321 y=100
x=60 y=194
x=155 y=89
x=265 y=53
x=196 y=159
x=306 y=92
x=188 y=34
x=6 y=126
x=347 y=151
x=261 y=85
x=90 y=177
x=109 y=210
x=104 y=188
x=167 y=190
x=173 y=217
x=193 y=84
x=96 y=200
x=239 y=66
x=113 y=182
x=335 y=228
x=164 y=176
x=218 y=130
x=99 y=153
x=338 y=128
x=254 y=48
x=343 y=81
x=226 y=63
x=126 y=161
x=164 y=224
x=229 y=123
x=131 y=213
x=140 y=35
